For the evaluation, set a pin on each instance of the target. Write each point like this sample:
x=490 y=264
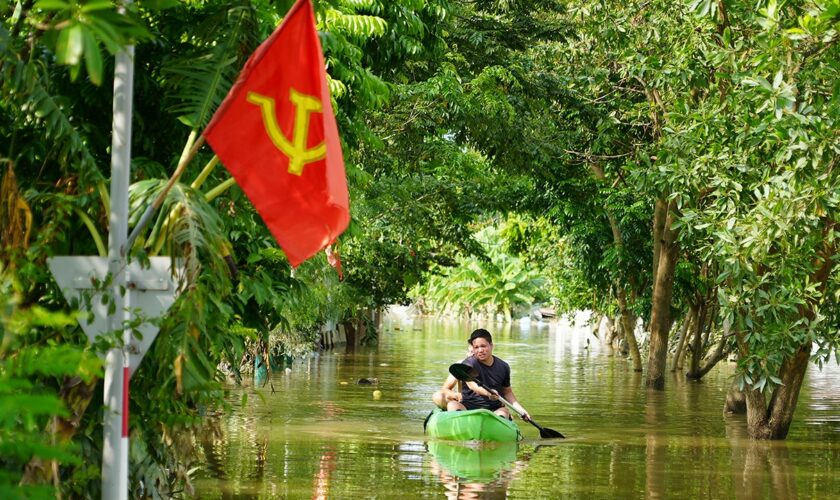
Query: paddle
x=467 y=373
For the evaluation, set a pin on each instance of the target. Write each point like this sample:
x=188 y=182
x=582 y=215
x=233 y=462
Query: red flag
x=276 y=134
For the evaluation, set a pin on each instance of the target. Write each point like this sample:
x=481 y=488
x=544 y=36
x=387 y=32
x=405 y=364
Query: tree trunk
x=718 y=354
x=783 y=401
x=686 y=328
x=377 y=320
x=736 y=401
x=697 y=337
x=627 y=324
x=621 y=294
x=608 y=326
x=350 y=333
x=660 y=318
x=716 y=357
x=772 y=420
x=361 y=325
x=594 y=326
x=711 y=316
x=660 y=210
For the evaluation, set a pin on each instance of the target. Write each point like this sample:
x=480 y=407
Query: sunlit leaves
x=372 y=5
x=769 y=15
x=495 y=282
x=704 y=8
x=69 y=46
x=355 y=25
x=780 y=96
x=158 y=4
x=818 y=24
x=82 y=28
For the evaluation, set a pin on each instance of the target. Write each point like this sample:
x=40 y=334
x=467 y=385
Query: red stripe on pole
x=126 y=375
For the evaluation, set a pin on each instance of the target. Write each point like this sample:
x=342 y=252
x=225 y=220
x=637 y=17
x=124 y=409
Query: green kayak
x=482 y=463
x=471 y=425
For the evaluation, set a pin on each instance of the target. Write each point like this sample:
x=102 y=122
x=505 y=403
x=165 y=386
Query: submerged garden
x=669 y=167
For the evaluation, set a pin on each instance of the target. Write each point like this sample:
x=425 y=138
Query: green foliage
x=729 y=113
x=57 y=128
x=31 y=364
x=34 y=116
x=77 y=31
x=198 y=76
x=495 y=281
x=769 y=214
x=314 y=299
x=449 y=111
x=186 y=227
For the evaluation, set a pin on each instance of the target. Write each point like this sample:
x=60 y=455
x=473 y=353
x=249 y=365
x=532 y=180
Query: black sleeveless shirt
x=495 y=377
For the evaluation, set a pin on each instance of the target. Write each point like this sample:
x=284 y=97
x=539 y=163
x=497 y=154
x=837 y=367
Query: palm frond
x=198 y=81
x=33 y=107
x=201 y=84
x=186 y=226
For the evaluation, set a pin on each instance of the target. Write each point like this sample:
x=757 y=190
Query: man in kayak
x=448 y=392
x=494 y=373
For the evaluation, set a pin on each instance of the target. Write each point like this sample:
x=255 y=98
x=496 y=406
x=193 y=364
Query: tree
x=495 y=281
x=55 y=124
x=736 y=156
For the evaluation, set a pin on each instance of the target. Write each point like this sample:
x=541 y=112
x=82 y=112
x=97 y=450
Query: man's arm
x=481 y=391
x=448 y=389
x=508 y=394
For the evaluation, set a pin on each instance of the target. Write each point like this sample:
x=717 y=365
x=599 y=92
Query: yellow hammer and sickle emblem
x=295 y=149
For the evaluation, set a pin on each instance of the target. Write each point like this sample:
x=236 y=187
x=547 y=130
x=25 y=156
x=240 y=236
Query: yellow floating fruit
x=377 y=394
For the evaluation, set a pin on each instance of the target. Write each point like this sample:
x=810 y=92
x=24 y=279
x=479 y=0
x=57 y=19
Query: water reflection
x=655 y=452
x=474 y=461
x=762 y=468
x=326 y=466
x=471 y=470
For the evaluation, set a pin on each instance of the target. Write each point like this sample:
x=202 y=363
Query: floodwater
x=322 y=435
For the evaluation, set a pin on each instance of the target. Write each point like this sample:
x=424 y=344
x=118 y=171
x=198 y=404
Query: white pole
x=115 y=419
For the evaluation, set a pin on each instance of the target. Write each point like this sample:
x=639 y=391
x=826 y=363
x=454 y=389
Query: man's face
x=482 y=349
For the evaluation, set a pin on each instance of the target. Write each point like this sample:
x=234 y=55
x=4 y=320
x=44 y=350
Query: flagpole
x=115 y=421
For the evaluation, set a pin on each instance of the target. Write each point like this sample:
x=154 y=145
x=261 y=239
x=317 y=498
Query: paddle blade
x=464 y=373
x=546 y=433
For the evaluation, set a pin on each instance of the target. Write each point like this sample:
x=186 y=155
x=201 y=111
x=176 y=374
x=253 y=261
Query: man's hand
x=522 y=411
x=454 y=396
